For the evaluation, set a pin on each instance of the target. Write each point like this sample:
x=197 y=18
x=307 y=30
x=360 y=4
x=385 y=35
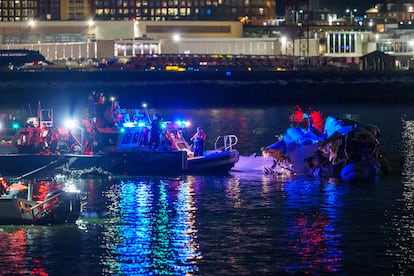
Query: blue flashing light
x=182 y=123
x=128 y=124
x=228 y=73
x=15 y=125
x=122 y=130
x=141 y=124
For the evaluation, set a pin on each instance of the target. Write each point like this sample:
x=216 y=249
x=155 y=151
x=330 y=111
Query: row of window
x=25 y=13
x=140 y=9
x=132 y=13
x=18 y=4
x=48 y=38
x=163 y=3
x=189 y=3
x=341 y=43
x=396 y=47
x=188 y=29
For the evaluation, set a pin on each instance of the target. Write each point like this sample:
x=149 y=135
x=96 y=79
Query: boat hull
x=11 y=211
x=127 y=162
x=217 y=162
x=148 y=163
x=61 y=207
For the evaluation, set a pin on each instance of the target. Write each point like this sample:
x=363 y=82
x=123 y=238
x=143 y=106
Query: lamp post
x=351 y=15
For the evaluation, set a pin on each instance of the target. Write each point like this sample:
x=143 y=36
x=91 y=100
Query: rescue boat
x=122 y=148
x=17 y=205
x=127 y=151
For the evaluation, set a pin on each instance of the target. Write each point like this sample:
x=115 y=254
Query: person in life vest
x=4 y=187
x=199 y=137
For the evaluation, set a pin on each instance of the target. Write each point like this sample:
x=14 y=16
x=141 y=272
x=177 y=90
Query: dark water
x=241 y=223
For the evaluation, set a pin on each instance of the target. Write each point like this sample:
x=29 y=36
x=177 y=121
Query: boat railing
x=225 y=142
x=43 y=206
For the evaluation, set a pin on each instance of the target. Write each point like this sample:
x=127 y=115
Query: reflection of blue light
x=151 y=234
x=135 y=203
x=208 y=11
x=313 y=208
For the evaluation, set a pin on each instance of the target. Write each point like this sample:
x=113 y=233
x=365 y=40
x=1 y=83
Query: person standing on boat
x=118 y=114
x=156 y=127
x=199 y=137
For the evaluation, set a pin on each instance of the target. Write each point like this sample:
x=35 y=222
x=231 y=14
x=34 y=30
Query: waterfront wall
x=206 y=88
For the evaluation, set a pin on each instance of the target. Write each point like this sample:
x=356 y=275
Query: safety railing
x=225 y=142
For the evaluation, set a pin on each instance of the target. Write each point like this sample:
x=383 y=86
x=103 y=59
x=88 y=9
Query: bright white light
x=91 y=22
x=71 y=123
x=128 y=124
x=176 y=37
x=32 y=22
x=283 y=39
x=144 y=105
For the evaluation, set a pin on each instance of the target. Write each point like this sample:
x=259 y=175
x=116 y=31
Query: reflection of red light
x=39 y=271
x=313 y=244
x=43 y=188
x=17 y=246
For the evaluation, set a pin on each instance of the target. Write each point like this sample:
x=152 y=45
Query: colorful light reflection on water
x=152 y=230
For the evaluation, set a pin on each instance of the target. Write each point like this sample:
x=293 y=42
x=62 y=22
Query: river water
x=244 y=223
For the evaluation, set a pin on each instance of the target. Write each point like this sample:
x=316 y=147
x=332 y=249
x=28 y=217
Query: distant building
x=377 y=61
x=247 y=12
x=202 y=10
x=58 y=40
x=381 y=15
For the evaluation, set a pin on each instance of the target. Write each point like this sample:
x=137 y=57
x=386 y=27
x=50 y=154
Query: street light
x=71 y=124
x=351 y=15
